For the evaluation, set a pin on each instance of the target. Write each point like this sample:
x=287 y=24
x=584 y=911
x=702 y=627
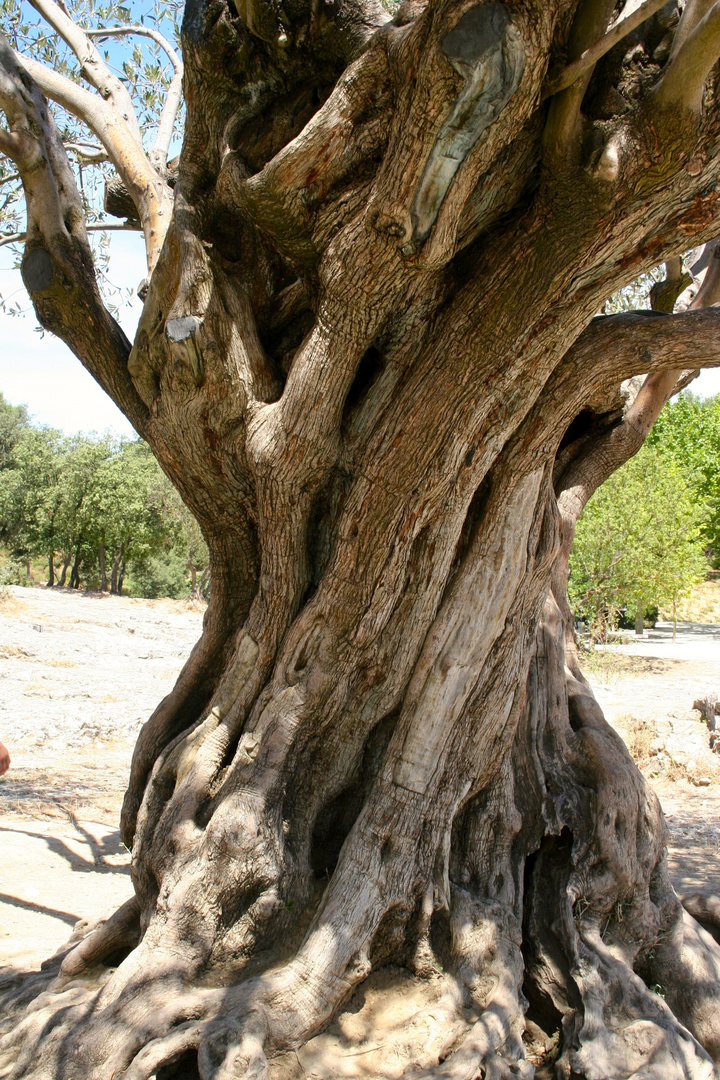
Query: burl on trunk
x=368 y=360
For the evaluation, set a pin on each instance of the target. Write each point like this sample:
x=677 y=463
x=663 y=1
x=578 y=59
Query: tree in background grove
x=688 y=432
x=96 y=509
x=639 y=543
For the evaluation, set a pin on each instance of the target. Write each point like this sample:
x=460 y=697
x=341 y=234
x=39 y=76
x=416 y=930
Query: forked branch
x=57 y=266
x=92 y=66
x=587 y=60
x=149 y=191
x=168 y=115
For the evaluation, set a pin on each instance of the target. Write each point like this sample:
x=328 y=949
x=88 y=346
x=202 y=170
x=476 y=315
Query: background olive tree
x=639 y=544
x=97 y=510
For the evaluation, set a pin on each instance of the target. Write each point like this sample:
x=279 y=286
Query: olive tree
x=370 y=363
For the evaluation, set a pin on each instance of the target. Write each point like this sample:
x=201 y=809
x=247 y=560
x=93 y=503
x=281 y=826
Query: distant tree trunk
x=63 y=575
x=121 y=578
x=103 y=571
x=193 y=579
x=639 y=622
x=75 y=573
x=28 y=570
x=115 y=572
x=51 y=570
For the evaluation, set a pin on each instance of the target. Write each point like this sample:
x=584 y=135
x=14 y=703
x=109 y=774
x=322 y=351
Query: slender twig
x=145 y=31
x=87 y=151
x=595 y=52
x=11 y=238
x=171 y=105
x=95 y=226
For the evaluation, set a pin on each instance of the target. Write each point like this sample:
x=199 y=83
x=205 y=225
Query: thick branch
x=57 y=266
x=709 y=291
x=595 y=52
x=561 y=127
x=635 y=343
x=695 y=10
x=684 y=79
x=159 y=152
x=149 y=192
x=92 y=66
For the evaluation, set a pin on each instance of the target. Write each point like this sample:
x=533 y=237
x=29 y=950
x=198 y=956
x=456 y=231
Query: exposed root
x=705 y=909
x=120 y=931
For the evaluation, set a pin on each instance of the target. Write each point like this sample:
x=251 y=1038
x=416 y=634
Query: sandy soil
x=79 y=674
x=652 y=690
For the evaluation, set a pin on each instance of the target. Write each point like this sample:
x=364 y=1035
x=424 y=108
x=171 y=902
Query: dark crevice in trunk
x=578 y=429
x=544 y=956
x=472 y=523
x=337 y=817
x=324 y=512
x=370 y=366
x=185 y=1068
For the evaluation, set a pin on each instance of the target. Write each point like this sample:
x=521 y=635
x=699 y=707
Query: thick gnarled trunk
x=432 y=788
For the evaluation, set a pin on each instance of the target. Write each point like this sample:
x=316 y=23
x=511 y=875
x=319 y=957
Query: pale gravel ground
x=79 y=675
x=681 y=671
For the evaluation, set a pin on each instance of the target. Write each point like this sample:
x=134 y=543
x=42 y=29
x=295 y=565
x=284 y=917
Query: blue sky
x=42 y=373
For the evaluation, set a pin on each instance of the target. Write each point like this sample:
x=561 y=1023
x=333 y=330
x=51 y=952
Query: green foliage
x=161 y=575
x=639 y=542
x=14 y=421
x=688 y=433
x=636 y=295
x=95 y=508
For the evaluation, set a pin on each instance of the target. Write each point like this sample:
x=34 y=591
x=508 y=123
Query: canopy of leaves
x=639 y=542
x=688 y=432
x=14 y=421
x=98 y=504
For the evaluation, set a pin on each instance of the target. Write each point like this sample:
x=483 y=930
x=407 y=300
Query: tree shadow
x=110 y=846
x=41 y=909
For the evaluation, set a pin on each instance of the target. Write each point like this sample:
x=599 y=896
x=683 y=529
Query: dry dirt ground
x=80 y=673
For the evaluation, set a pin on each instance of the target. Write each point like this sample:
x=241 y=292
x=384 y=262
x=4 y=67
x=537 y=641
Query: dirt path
x=79 y=675
x=647 y=688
